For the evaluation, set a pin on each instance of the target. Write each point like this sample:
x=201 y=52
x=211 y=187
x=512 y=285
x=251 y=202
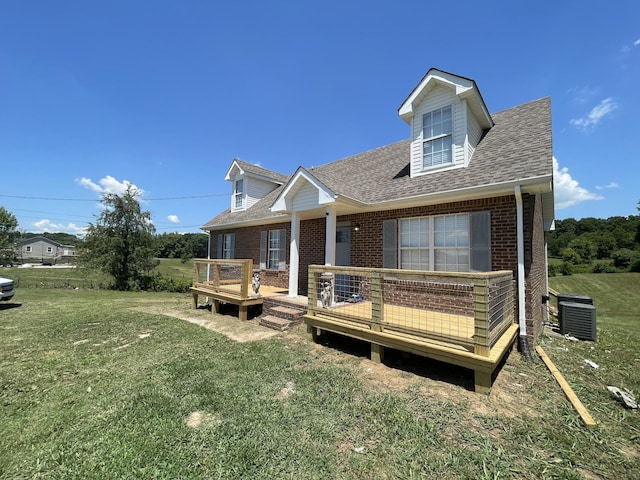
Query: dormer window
x=437 y=138
x=238 y=193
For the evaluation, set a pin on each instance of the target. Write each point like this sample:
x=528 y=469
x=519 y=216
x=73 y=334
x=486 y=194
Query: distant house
x=44 y=250
x=467 y=191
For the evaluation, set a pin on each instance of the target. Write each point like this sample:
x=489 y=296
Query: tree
x=8 y=230
x=121 y=242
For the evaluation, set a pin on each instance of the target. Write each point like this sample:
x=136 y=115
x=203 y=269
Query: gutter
x=522 y=317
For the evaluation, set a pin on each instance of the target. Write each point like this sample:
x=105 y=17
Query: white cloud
x=567 y=191
x=173 y=218
x=597 y=113
x=609 y=185
x=109 y=184
x=636 y=43
x=45 y=225
x=584 y=94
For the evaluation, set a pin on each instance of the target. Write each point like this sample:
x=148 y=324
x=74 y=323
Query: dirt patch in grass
x=227 y=325
x=200 y=419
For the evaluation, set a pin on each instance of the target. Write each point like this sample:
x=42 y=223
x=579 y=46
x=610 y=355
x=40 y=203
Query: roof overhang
x=465 y=89
x=236 y=169
x=301 y=178
x=537 y=185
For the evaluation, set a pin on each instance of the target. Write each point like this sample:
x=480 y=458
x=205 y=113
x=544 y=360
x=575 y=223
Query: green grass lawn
x=102 y=384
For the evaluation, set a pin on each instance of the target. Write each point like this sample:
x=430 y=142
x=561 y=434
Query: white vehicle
x=6 y=289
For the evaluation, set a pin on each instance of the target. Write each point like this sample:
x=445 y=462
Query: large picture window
x=437 y=131
x=452 y=243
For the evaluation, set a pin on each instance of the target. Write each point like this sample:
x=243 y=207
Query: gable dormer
x=447 y=116
x=250 y=183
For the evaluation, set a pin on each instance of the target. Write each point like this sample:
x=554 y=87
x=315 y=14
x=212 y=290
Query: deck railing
x=470 y=310
x=227 y=276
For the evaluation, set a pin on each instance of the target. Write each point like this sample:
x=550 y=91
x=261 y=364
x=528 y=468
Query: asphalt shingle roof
x=517 y=148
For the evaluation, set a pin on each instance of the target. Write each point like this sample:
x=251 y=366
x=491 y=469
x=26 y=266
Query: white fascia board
x=461 y=85
x=543 y=184
x=247 y=223
x=325 y=194
x=234 y=166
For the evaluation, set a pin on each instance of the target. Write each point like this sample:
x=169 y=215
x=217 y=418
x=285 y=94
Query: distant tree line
x=595 y=245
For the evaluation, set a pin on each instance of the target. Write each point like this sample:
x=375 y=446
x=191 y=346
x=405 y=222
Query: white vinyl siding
x=257 y=189
x=306 y=197
x=249 y=190
x=437 y=98
x=474 y=133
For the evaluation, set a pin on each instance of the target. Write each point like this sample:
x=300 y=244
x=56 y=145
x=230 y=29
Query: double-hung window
x=273 y=249
x=226 y=245
x=238 y=193
x=437 y=138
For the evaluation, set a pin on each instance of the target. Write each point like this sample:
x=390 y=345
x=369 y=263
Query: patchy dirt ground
x=227 y=325
x=400 y=373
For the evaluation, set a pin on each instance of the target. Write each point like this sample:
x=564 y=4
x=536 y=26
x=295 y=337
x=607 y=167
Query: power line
x=94 y=199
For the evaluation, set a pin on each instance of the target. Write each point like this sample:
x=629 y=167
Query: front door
x=342 y=288
x=343 y=246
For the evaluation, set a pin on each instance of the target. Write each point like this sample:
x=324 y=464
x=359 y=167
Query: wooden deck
x=449 y=351
x=465 y=319
x=231 y=293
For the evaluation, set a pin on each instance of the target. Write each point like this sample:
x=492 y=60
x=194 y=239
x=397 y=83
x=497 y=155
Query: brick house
x=467 y=191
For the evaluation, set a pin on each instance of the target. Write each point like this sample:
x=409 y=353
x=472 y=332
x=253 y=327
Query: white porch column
x=294 y=254
x=330 y=233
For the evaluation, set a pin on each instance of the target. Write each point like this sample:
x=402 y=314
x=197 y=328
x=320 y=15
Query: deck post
x=312 y=333
x=242 y=313
x=247 y=271
x=481 y=316
x=215 y=306
x=377 y=353
x=194 y=301
x=377 y=301
x=482 y=381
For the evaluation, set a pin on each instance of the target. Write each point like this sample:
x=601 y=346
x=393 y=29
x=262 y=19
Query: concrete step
x=276 y=323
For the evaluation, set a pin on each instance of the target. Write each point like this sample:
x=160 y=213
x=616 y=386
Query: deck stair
x=280 y=314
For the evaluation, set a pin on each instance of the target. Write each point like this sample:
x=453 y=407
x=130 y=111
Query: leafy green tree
x=571 y=257
x=585 y=249
x=121 y=242
x=8 y=231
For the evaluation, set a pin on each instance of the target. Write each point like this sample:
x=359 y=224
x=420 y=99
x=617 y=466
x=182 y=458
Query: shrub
x=569 y=255
x=624 y=258
x=566 y=268
x=603 y=267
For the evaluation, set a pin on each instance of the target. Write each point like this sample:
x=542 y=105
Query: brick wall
x=366 y=244
x=535 y=267
x=248 y=246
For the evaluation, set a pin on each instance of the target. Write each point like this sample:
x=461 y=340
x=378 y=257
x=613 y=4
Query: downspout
x=522 y=314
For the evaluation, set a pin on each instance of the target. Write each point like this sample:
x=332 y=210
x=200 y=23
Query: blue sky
x=165 y=94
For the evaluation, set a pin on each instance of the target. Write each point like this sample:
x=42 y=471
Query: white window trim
x=238 y=194
x=431 y=248
x=227 y=246
x=266 y=249
x=428 y=140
